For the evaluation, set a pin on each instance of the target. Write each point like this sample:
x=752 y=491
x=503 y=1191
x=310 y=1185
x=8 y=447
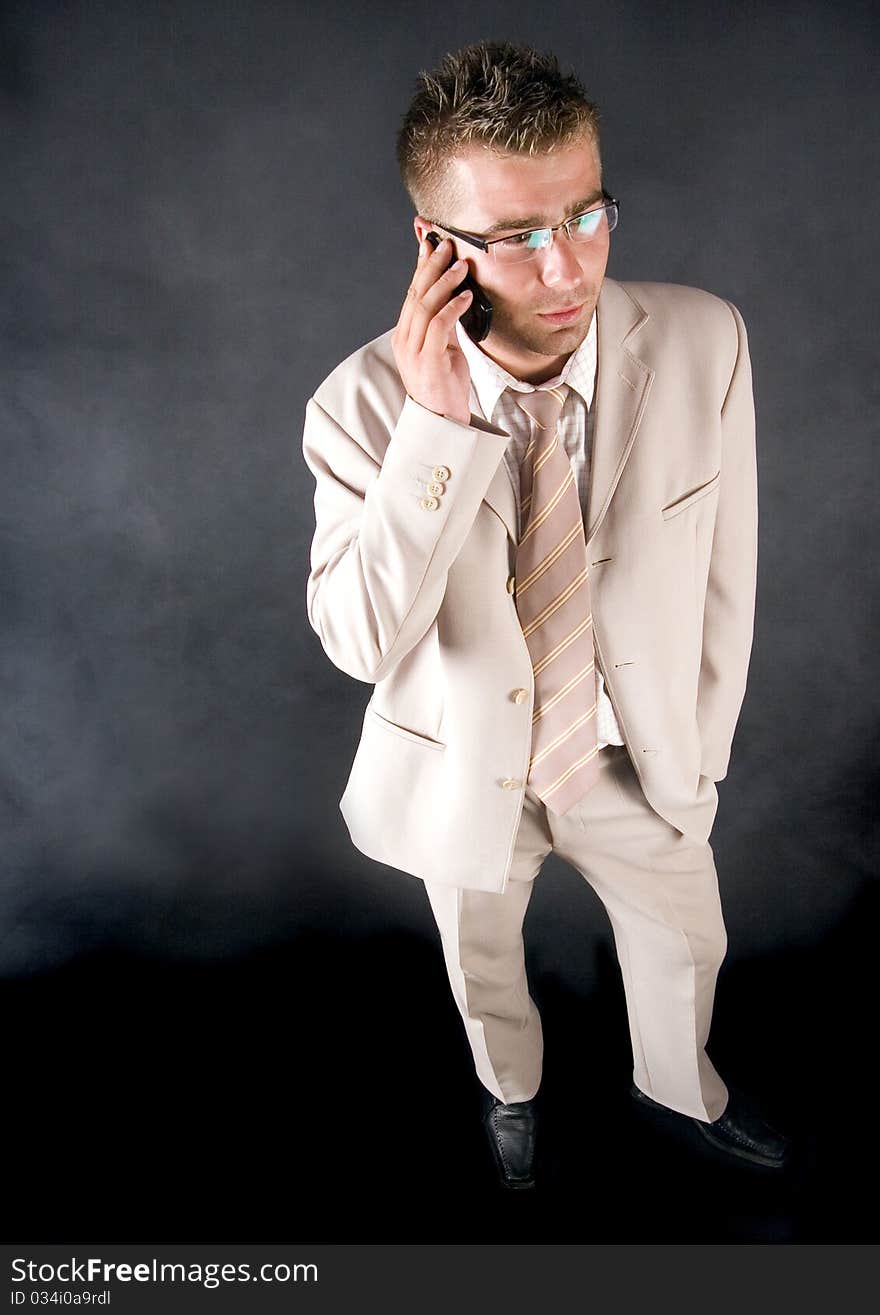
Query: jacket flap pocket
x=413 y=736
x=679 y=504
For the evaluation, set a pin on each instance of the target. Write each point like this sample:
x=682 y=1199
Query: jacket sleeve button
x=510 y=784
x=436 y=488
x=520 y=695
x=440 y=472
x=429 y=504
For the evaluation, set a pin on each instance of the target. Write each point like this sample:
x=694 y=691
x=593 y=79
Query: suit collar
x=623 y=382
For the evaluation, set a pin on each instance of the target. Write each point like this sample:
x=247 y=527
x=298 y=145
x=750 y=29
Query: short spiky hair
x=509 y=98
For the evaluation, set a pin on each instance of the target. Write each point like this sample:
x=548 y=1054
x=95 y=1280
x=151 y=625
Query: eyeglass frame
x=485 y=243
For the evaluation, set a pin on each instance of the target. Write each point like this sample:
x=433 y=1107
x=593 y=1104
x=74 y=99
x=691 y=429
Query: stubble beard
x=517 y=334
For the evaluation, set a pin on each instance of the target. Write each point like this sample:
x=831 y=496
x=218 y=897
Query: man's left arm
x=729 y=618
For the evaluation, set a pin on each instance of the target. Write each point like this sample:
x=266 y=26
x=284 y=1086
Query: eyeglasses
x=525 y=246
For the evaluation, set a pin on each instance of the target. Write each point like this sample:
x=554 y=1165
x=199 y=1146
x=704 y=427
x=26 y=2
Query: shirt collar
x=490 y=379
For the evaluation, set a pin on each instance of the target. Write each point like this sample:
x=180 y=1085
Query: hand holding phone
x=432 y=365
x=477 y=319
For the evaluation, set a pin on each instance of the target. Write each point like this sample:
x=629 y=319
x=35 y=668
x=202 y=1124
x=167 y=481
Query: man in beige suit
x=426 y=446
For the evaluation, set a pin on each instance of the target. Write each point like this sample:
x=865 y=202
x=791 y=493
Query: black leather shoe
x=511 y=1132
x=740 y=1131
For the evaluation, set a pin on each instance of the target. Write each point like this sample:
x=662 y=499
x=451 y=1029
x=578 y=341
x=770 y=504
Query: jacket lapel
x=623 y=383
x=500 y=495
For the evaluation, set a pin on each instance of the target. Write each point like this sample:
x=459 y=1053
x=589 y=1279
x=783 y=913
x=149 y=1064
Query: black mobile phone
x=477 y=319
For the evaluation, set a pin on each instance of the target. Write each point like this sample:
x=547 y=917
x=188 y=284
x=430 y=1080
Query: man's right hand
x=432 y=366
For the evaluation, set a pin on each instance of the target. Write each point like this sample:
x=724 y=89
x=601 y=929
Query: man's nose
x=559 y=262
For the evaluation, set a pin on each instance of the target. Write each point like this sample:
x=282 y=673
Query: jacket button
x=511 y=583
x=436 y=488
x=510 y=784
x=429 y=504
x=520 y=695
x=440 y=472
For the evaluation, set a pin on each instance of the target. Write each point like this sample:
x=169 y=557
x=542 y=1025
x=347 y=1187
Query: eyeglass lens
x=582 y=228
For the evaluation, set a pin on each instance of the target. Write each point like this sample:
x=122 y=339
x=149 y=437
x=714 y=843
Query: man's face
x=496 y=196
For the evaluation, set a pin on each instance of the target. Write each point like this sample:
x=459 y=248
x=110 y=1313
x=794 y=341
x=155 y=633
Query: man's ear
x=421 y=225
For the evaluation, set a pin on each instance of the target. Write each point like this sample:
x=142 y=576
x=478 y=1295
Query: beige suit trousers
x=660 y=891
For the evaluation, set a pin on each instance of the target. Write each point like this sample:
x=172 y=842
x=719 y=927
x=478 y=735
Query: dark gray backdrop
x=201 y=217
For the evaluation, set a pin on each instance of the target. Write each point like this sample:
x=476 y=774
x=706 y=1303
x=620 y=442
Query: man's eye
x=535 y=238
x=589 y=222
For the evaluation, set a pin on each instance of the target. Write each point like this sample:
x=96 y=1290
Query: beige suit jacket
x=412 y=593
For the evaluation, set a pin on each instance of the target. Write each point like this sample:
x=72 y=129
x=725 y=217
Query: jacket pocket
x=413 y=736
x=685 y=501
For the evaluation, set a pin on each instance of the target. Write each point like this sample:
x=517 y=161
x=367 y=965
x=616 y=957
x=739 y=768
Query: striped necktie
x=553 y=603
